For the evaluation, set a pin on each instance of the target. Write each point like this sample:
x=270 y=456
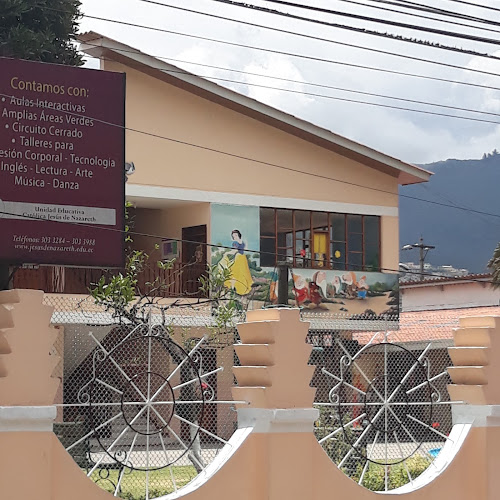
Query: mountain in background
x=462 y=238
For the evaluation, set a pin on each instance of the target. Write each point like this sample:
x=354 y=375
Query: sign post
x=62 y=156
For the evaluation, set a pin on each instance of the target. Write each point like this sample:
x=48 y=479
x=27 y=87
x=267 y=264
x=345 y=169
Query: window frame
x=308 y=261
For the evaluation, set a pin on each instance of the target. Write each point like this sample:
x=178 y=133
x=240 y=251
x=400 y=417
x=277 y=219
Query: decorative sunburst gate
x=384 y=413
x=143 y=415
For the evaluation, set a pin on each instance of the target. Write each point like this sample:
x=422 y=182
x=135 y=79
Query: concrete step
x=480 y=321
x=469 y=356
x=254 y=354
x=473 y=336
x=469 y=375
x=472 y=394
x=250 y=376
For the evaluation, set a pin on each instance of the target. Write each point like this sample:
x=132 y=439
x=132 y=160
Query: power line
x=309 y=58
x=382 y=21
x=364 y=31
x=312 y=94
x=421 y=16
x=304 y=35
x=345 y=44
x=335 y=25
x=212 y=245
x=406 y=4
x=166 y=58
x=476 y=5
x=262 y=162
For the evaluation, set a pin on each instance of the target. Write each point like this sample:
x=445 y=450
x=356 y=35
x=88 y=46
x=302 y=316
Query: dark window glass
x=267 y=226
x=372 y=258
x=337 y=223
x=303 y=221
x=337 y=255
x=319 y=239
x=284 y=220
x=354 y=224
x=285 y=228
x=268 y=249
x=355 y=242
x=320 y=221
x=355 y=261
x=372 y=243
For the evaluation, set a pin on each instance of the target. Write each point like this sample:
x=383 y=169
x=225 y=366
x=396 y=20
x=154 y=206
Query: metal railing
x=182 y=279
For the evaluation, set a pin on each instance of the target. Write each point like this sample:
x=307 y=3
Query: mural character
x=362 y=288
x=241 y=279
x=338 y=286
x=317 y=290
x=348 y=281
x=300 y=289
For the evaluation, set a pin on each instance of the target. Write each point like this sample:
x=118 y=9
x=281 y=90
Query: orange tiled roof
x=418 y=326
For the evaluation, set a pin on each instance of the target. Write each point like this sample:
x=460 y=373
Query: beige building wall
x=389 y=243
x=161 y=109
x=168 y=223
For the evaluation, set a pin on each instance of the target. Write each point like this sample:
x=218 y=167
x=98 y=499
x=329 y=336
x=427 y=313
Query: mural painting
x=235 y=229
x=352 y=293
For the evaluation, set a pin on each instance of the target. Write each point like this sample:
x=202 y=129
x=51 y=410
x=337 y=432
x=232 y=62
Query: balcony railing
x=182 y=280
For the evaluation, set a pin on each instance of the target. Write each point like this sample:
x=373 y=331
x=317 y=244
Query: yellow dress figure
x=241 y=279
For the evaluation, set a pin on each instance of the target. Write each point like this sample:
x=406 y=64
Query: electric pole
x=423 y=251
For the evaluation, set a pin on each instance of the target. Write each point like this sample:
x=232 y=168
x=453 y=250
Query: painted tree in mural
x=40 y=30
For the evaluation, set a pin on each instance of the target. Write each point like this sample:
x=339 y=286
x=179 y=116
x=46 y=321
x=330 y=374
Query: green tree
x=494 y=265
x=40 y=30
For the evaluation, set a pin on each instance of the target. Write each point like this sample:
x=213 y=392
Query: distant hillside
x=462 y=239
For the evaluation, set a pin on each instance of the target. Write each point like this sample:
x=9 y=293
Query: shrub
x=399 y=476
x=374 y=478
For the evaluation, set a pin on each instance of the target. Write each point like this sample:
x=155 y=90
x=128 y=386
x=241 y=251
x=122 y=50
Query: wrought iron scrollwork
x=154 y=388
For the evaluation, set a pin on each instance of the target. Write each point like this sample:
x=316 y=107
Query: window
x=319 y=239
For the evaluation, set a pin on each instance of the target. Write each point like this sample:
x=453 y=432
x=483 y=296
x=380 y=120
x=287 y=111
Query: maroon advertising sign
x=62 y=180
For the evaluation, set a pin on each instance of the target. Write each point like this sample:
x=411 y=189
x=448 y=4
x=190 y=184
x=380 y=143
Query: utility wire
x=309 y=58
x=476 y=5
x=212 y=245
x=362 y=30
x=344 y=99
x=262 y=162
x=436 y=10
x=382 y=21
x=421 y=16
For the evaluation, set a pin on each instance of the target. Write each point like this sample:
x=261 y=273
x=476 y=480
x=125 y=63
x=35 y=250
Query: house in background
x=214 y=167
x=440 y=293
x=431 y=309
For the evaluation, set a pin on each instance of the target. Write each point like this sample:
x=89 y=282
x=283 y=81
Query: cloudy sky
x=410 y=136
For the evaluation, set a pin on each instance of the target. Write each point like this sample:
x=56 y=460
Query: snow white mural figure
x=241 y=279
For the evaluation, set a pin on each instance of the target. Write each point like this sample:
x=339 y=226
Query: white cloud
x=410 y=136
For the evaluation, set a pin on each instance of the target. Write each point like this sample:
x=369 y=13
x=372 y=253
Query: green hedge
x=374 y=478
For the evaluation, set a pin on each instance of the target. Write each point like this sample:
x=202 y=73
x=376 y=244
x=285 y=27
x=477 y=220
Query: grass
x=133 y=483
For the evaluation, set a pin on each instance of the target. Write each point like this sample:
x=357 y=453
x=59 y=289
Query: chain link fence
x=142 y=408
x=384 y=408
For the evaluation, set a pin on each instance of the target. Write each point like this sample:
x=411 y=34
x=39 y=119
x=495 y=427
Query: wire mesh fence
x=142 y=408
x=384 y=409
